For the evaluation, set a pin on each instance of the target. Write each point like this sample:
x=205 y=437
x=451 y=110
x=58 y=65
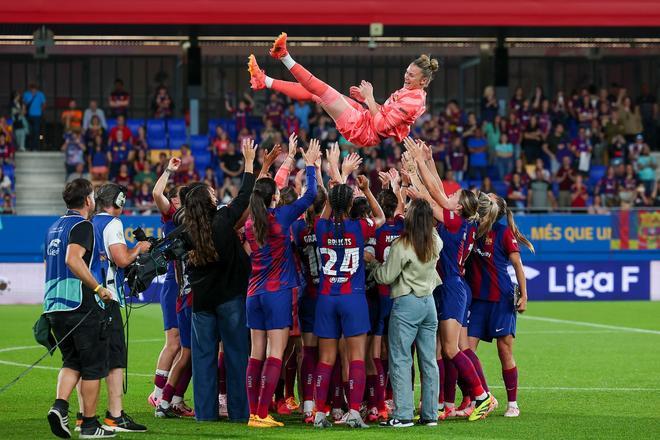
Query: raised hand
x=332 y=154
x=313 y=152
x=271 y=156
x=354 y=92
x=412 y=148
x=366 y=89
x=293 y=145
x=384 y=178
x=363 y=183
x=249 y=150
x=412 y=192
x=174 y=164
x=426 y=151
x=350 y=164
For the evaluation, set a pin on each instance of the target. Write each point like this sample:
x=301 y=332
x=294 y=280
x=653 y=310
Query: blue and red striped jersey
x=273 y=266
x=487 y=269
x=458 y=237
x=342 y=255
x=307 y=249
x=385 y=236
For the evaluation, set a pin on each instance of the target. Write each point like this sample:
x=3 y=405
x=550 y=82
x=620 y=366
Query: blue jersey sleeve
x=289 y=213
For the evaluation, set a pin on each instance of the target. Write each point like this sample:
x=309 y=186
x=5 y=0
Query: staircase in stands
x=40 y=178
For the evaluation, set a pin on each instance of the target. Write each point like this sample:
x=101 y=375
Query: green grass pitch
x=587 y=370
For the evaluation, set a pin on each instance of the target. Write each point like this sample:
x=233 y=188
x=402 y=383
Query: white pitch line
x=592 y=324
x=564 y=332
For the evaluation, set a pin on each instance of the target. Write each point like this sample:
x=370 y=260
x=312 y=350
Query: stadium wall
x=578 y=257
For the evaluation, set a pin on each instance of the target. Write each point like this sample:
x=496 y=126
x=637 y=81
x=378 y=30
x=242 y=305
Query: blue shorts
x=489 y=319
x=306 y=312
x=374 y=313
x=270 y=311
x=384 y=310
x=338 y=315
x=452 y=300
x=168 y=296
x=184 y=317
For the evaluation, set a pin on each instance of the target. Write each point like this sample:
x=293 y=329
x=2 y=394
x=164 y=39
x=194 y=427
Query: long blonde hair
x=511 y=223
x=488 y=214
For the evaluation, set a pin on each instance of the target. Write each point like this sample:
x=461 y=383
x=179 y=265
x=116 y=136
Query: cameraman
x=219 y=271
x=114 y=256
x=71 y=306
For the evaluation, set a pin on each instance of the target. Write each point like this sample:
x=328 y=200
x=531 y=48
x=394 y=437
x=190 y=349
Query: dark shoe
x=165 y=413
x=396 y=423
x=425 y=422
x=123 y=423
x=94 y=430
x=59 y=422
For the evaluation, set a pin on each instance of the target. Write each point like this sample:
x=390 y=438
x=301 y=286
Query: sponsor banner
x=588 y=281
x=23 y=283
x=567 y=233
x=636 y=230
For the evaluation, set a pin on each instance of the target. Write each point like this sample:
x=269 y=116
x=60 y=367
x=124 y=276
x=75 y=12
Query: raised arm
x=395 y=183
x=332 y=155
x=350 y=164
x=367 y=91
x=161 y=201
x=268 y=162
x=434 y=187
x=237 y=207
x=295 y=210
x=377 y=211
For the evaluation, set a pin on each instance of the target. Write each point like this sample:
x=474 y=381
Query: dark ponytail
x=316 y=208
x=341 y=198
x=388 y=201
x=260 y=200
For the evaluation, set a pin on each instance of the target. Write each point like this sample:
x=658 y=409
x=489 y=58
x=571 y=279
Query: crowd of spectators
x=587 y=150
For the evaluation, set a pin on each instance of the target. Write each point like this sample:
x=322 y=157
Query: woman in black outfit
x=219 y=272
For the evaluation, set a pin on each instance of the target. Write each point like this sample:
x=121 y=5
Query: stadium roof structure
x=436 y=13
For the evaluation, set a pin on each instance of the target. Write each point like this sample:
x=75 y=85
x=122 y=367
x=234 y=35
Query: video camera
x=148 y=266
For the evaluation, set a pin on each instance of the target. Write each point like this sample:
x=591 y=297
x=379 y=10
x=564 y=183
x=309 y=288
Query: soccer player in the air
x=274 y=276
x=341 y=308
x=494 y=301
x=359 y=125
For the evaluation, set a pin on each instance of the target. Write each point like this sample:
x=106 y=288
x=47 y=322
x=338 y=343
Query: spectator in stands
x=123 y=178
x=646 y=169
x=119 y=152
x=489 y=106
x=628 y=187
x=514 y=132
x=35 y=103
x=90 y=112
x=595 y=208
x=5 y=182
x=596 y=137
x=162 y=104
x=119 y=100
x=456 y=159
x=517 y=193
x=487 y=185
x=539 y=194
x=161 y=165
x=227 y=192
x=635 y=149
x=232 y=165
x=98 y=161
x=143 y=200
x=245 y=133
x=504 y=156
x=21 y=127
x=146 y=175
x=617 y=151
x=290 y=123
x=274 y=111
x=630 y=117
x=6 y=128
x=648 y=109
x=565 y=179
x=93 y=130
x=71 y=118
x=579 y=193
x=492 y=132
x=74 y=151
x=525 y=114
x=470 y=127
x=478 y=149
x=268 y=134
x=545 y=119
x=608 y=188
x=139 y=161
x=302 y=110
x=187 y=159
x=532 y=141
x=220 y=143
x=7 y=205
x=242 y=112
x=140 y=141
x=210 y=178
x=78 y=173
x=516 y=102
x=120 y=127
x=539 y=167
x=7 y=150
x=186 y=177
x=612 y=127
x=538 y=98
x=582 y=149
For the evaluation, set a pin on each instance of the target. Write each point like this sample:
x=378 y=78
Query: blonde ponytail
x=516 y=232
x=488 y=214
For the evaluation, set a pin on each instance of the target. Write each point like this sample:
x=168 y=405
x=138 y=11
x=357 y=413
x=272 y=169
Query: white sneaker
x=353 y=419
x=512 y=411
x=222 y=405
x=337 y=415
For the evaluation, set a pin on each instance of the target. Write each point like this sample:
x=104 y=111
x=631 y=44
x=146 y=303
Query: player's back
x=341 y=247
x=487 y=275
x=458 y=237
x=385 y=236
x=306 y=247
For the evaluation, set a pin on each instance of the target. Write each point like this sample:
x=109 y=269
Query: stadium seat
x=493 y=173
x=500 y=187
x=596 y=173
x=176 y=128
x=134 y=124
x=158 y=143
x=213 y=123
x=199 y=143
x=176 y=142
x=111 y=123
x=155 y=129
x=202 y=160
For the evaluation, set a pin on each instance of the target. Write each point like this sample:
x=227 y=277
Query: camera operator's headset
x=119 y=199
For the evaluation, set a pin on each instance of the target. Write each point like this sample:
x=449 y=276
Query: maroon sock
x=468 y=373
x=450 y=381
x=279 y=389
x=269 y=378
x=380 y=383
x=337 y=396
x=310 y=355
x=357 y=378
x=477 y=366
x=372 y=400
x=183 y=382
x=168 y=392
x=465 y=389
x=322 y=384
x=222 y=374
x=441 y=373
x=291 y=371
x=510 y=377
x=160 y=381
x=253 y=382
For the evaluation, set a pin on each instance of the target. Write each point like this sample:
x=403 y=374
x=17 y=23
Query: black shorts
x=116 y=339
x=84 y=350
